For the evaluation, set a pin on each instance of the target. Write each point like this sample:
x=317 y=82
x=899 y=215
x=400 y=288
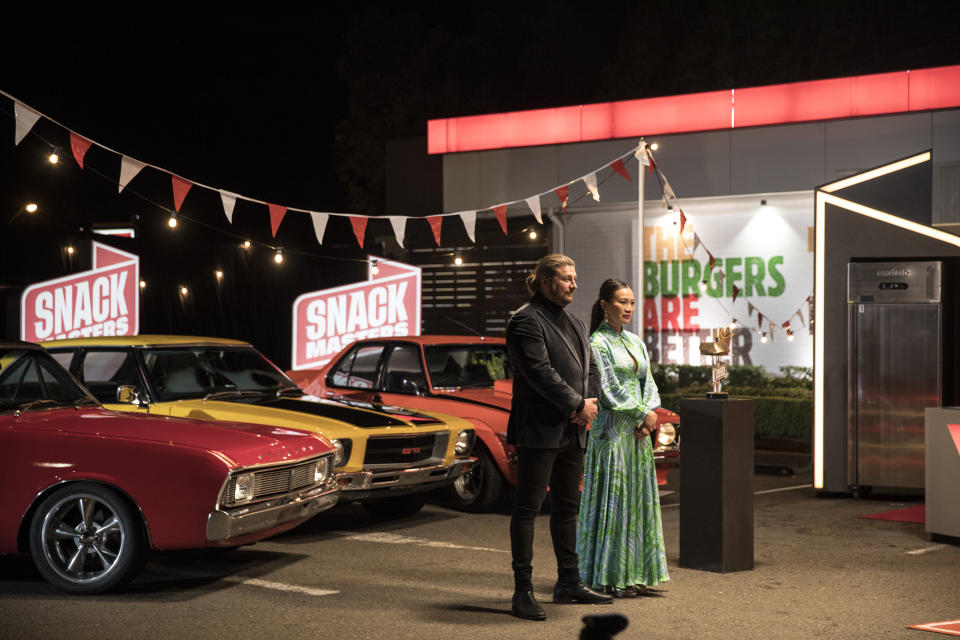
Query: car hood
x=236 y=443
x=490 y=397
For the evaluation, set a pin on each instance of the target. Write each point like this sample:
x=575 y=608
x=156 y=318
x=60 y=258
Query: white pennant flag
x=129 y=168
x=470 y=223
x=641 y=154
x=229 y=202
x=668 y=190
x=800 y=315
x=696 y=243
x=26 y=118
x=319 y=224
x=399 y=224
x=720 y=276
x=591 y=182
x=534 y=204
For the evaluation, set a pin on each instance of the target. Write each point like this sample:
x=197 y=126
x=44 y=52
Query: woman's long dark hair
x=609 y=287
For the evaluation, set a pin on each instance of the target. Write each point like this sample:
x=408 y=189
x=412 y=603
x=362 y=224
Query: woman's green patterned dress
x=619 y=531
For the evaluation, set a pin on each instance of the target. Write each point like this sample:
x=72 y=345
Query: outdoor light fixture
x=763 y=338
x=373 y=267
x=533 y=235
x=54 y=157
x=70 y=249
x=789 y=335
x=219 y=274
x=703 y=285
x=143 y=284
x=245 y=244
x=172 y=220
x=183 y=290
x=31 y=207
x=654 y=146
x=733 y=323
x=278 y=256
x=458 y=261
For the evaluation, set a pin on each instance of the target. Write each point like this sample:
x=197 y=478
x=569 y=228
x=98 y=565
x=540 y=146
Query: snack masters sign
x=104 y=301
x=326 y=321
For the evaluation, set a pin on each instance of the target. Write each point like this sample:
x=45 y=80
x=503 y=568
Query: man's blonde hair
x=547 y=267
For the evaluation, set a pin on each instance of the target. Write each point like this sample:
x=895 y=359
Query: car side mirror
x=410 y=386
x=127 y=394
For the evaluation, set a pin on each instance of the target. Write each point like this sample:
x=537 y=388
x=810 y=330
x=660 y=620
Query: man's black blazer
x=551 y=376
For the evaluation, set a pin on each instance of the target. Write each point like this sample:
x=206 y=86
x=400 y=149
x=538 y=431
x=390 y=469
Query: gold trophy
x=719 y=347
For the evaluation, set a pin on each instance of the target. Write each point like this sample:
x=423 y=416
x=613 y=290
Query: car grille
x=273 y=482
x=408 y=450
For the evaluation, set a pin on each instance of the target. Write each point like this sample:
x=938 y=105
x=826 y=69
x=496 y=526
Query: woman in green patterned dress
x=619 y=530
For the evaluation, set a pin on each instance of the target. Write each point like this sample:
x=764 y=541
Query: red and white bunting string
x=229 y=201
x=399 y=224
x=435 y=226
x=25 y=118
x=79 y=145
x=276 y=217
x=469 y=224
x=180 y=189
x=590 y=181
x=359 y=224
x=129 y=168
x=319 y=224
x=501 y=213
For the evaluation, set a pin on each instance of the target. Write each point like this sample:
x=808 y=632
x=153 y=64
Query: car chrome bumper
x=240 y=521
x=362 y=484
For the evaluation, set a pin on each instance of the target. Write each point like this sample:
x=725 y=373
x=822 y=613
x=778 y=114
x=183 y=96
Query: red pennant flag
x=617 y=165
x=786 y=325
x=435 y=222
x=736 y=292
x=712 y=260
x=359 y=224
x=653 y=164
x=276 y=217
x=79 y=146
x=683 y=220
x=759 y=320
x=501 y=213
x=180 y=189
x=563 y=193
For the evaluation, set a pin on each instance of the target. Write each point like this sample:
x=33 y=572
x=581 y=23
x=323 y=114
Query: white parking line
x=280 y=586
x=917 y=552
x=383 y=537
x=792 y=488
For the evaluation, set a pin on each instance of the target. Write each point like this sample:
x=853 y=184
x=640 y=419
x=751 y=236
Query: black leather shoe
x=526 y=606
x=578 y=593
x=646 y=592
x=617 y=592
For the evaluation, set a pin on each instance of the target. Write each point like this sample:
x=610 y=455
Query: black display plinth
x=716 y=484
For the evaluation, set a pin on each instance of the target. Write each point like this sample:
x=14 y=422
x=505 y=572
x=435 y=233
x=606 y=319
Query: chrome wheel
x=86 y=539
x=481 y=488
x=469 y=485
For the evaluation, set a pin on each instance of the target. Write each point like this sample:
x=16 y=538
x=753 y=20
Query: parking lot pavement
x=821 y=572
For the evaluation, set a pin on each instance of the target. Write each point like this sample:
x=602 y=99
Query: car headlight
x=667 y=435
x=243 y=488
x=464 y=442
x=322 y=470
x=340 y=455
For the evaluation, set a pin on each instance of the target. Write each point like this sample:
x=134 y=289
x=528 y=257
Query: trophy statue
x=719 y=347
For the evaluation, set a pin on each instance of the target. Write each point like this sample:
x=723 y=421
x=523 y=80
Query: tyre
x=399 y=507
x=480 y=489
x=86 y=539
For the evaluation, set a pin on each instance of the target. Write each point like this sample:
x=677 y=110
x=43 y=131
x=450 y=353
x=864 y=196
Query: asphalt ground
x=820 y=572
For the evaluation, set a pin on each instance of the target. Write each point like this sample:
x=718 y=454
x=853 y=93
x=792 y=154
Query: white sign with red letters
x=387 y=304
x=104 y=301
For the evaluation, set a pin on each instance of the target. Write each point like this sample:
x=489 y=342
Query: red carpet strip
x=916 y=514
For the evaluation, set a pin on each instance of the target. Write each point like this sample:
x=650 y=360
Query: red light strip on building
x=855 y=96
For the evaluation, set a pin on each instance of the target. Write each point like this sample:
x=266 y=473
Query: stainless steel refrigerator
x=894 y=368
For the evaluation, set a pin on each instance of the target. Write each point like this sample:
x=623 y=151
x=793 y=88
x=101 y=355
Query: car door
x=102 y=371
x=403 y=381
x=357 y=374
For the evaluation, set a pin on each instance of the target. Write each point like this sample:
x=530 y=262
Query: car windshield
x=467 y=365
x=30 y=379
x=228 y=372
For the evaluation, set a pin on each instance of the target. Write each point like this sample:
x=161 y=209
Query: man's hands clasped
x=586 y=415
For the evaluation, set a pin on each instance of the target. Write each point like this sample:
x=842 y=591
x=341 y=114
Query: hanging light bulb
x=143 y=284
x=789 y=335
x=278 y=256
x=458 y=261
x=54 y=157
x=245 y=244
x=703 y=286
x=374 y=269
x=183 y=290
x=172 y=220
x=763 y=338
x=533 y=234
x=70 y=250
x=733 y=324
x=219 y=274
x=31 y=207
x=654 y=146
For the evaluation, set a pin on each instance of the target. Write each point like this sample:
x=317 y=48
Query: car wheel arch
x=491 y=441
x=23 y=531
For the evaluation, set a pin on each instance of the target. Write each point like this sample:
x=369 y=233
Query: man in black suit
x=555 y=387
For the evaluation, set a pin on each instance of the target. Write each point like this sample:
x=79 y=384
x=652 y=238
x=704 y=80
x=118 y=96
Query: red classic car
x=88 y=492
x=465 y=376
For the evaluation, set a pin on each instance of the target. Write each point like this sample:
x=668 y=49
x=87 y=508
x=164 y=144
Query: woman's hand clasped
x=648 y=426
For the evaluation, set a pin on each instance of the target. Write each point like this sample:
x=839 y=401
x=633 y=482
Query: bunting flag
x=653 y=163
x=642 y=155
x=683 y=222
x=534 y=204
x=800 y=315
x=750 y=308
x=720 y=276
x=736 y=292
x=591 y=182
x=276 y=217
x=668 y=190
x=25 y=119
x=435 y=223
x=180 y=189
x=618 y=166
x=759 y=320
x=229 y=201
x=712 y=260
x=470 y=221
x=501 y=213
x=399 y=224
x=79 y=145
x=786 y=325
x=319 y=224
x=696 y=243
x=129 y=168
x=563 y=193
x=359 y=224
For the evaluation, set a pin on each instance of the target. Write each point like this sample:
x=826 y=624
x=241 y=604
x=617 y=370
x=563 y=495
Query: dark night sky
x=297 y=108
